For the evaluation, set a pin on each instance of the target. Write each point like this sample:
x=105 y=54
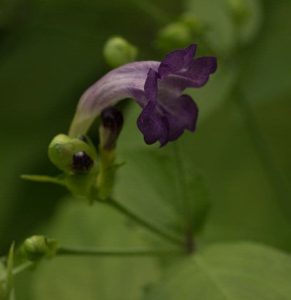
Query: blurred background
x=52 y=50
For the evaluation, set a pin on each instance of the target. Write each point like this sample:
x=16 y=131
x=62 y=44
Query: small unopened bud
x=174 y=35
x=38 y=246
x=195 y=24
x=111 y=125
x=71 y=155
x=117 y=51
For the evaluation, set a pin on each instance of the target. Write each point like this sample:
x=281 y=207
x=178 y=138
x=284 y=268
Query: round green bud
x=65 y=153
x=38 y=246
x=174 y=35
x=117 y=51
x=196 y=26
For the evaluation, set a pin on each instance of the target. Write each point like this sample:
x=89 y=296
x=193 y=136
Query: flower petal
x=177 y=60
x=153 y=125
x=123 y=82
x=151 y=86
x=200 y=70
x=181 y=114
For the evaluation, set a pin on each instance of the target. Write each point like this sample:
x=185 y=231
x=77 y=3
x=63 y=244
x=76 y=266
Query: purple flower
x=157 y=88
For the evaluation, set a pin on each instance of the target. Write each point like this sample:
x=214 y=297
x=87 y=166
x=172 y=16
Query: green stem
x=44 y=178
x=73 y=251
x=23 y=267
x=114 y=252
x=261 y=147
x=144 y=223
x=19 y=269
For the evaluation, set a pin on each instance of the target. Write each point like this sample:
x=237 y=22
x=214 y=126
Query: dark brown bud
x=111 y=125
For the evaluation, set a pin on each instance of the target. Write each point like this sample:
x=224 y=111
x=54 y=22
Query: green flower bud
x=174 y=35
x=38 y=246
x=117 y=51
x=196 y=26
x=71 y=155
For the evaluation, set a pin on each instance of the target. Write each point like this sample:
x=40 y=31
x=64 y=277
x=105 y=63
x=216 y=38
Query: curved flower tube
x=157 y=88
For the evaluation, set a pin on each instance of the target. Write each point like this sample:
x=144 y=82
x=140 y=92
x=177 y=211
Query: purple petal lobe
x=200 y=70
x=177 y=60
x=153 y=125
x=181 y=114
x=151 y=85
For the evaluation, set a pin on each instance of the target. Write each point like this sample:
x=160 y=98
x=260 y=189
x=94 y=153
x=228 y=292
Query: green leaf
x=10 y=264
x=163 y=185
x=2 y=282
x=271 y=52
x=6 y=277
x=81 y=277
x=213 y=95
x=243 y=203
x=226 y=272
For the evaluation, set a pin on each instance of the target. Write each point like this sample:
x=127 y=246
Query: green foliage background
x=51 y=50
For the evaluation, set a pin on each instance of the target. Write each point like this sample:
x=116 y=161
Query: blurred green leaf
x=89 y=277
x=10 y=279
x=247 y=18
x=162 y=185
x=265 y=65
x=225 y=32
x=226 y=272
x=2 y=282
x=211 y=97
x=243 y=204
x=214 y=13
x=6 y=277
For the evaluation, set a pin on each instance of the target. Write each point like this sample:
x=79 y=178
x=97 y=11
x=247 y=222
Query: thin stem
x=73 y=251
x=125 y=211
x=261 y=147
x=115 y=252
x=19 y=269
x=23 y=267
x=43 y=178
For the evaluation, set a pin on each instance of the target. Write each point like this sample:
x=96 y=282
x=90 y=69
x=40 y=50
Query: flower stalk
x=69 y=251
x=144 y=223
